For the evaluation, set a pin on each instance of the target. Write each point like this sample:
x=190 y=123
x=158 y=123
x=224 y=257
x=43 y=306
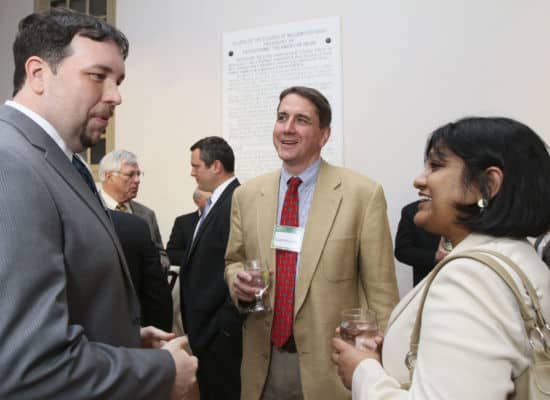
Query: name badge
x=287 y=238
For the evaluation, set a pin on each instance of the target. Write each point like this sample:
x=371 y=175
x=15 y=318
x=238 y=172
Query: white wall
x=408 y=67
x=11 y=11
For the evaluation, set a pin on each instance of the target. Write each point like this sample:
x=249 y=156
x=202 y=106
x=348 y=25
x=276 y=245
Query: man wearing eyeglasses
x=120 y=177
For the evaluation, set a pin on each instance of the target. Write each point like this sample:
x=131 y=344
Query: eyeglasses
x=131 y=175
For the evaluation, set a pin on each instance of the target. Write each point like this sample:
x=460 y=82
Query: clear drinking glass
x=357 y=325
x=261 y=280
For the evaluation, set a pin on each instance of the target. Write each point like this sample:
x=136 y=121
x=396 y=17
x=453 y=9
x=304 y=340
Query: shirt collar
x=110 y=202
x=219 y=190
x=308 y=176
x=48 y=128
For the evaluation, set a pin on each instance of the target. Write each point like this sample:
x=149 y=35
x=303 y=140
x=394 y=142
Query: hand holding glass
x=260 y=279
x=358 y=325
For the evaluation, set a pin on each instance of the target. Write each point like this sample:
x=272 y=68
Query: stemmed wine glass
x=260 y=279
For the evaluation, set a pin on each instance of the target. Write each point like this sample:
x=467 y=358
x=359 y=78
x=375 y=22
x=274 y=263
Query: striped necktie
x=121 y=207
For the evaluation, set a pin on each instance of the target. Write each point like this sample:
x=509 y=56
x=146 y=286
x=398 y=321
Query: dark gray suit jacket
x=149 y=216
x=69 y=316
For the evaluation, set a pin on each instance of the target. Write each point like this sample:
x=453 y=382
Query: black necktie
x=85 y=173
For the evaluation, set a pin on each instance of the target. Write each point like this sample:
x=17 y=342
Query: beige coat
x=346 y=261
x=472 y=340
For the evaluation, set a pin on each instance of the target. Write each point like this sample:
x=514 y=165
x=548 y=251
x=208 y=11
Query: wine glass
x=260 y=279
x=357 y=325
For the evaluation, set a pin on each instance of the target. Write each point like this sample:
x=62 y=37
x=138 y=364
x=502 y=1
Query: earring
x=482 y=203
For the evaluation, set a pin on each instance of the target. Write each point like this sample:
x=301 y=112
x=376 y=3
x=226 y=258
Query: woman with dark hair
x=484 y=187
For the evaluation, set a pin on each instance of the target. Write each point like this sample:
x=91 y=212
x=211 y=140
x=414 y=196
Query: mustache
x=104 y=112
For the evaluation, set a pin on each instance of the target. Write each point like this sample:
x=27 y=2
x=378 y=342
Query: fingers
x=153 y=332
x=339 y=345
x=155 y=338
x=182 y=342
x=242 y=289
x=335 y=357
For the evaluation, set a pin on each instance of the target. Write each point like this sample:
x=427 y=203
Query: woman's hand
x=347 y=356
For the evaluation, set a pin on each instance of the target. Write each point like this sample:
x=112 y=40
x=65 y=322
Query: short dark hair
x=216 y=148
x=317 y=98
x=522 y=206
x=48 y=34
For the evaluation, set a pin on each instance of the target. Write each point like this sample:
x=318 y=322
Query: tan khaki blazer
x=346 y=261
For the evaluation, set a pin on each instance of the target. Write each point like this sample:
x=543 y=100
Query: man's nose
x=112 y=93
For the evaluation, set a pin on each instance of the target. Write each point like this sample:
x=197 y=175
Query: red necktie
x=286 y=271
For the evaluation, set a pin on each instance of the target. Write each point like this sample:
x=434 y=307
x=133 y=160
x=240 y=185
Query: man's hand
x=185 y=385
x=154 y=338
x=243 y=290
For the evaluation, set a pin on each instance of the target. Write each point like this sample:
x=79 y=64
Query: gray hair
x=111 y=162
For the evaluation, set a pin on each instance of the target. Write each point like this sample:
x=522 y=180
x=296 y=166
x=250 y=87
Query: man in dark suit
x=120 y=178
x=209 y=316
x=416 y=247
x=70 y=317
x=142 y=257
x=184 y=227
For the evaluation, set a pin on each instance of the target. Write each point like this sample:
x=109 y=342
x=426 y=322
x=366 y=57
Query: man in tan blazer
x=345 y=258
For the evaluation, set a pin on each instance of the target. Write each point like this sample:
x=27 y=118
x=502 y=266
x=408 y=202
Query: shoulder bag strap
x=541 y=322
x=530 y=322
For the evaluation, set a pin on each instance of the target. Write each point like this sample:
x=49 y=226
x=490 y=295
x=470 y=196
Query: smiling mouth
x=424 y=197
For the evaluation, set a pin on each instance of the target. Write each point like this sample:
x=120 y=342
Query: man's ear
x=325 y=132
x=35 y=69
x=495 y=177
x=218 y=166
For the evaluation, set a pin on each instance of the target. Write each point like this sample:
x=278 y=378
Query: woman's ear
x=495 y=176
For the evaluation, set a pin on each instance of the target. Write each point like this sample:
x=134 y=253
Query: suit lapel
x=323 y=210
x=404 y=303
x=266 y=212
x=58 y=160
x=228 y=192
x=55 y=157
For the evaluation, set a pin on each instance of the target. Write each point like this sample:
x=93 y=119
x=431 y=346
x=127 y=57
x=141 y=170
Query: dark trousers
x=219 y=372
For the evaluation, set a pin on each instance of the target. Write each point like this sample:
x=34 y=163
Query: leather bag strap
x=531 y=322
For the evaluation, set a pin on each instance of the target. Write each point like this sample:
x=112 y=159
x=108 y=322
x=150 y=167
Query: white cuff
x=367 y=373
